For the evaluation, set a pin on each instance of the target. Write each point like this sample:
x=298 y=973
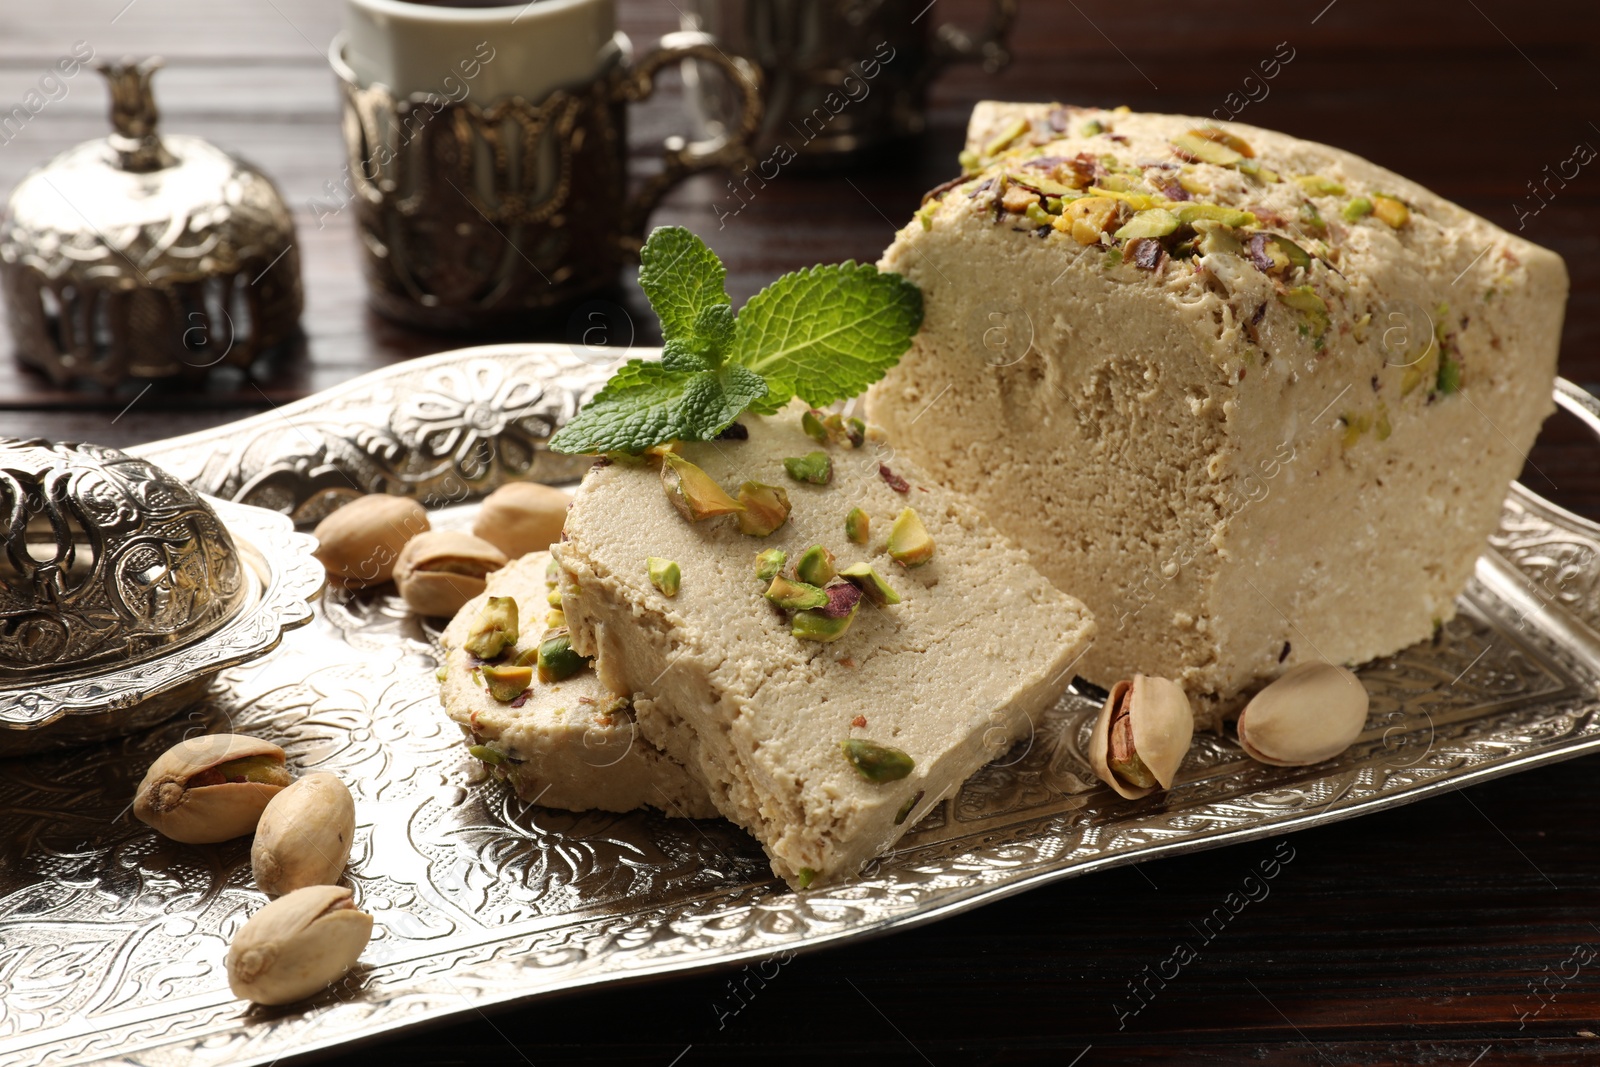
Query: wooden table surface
x=1444 y=932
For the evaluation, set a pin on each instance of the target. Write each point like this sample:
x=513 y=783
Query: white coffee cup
x=526 y=49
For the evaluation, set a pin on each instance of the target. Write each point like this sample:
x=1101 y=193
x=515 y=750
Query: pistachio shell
x=522 y=517
x=441 y=570
x=1312 y=713
x=204 y=813
x=297 y=945
x=359 y=544
x=304 y=836
x=1163 y=725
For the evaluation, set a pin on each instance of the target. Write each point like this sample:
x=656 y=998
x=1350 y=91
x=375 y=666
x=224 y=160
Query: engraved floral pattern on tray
x=111 y=938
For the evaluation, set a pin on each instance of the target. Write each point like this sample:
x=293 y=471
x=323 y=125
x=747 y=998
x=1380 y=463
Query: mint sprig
x=822 y=334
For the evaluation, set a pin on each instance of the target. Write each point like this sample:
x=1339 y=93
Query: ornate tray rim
x=935 y=886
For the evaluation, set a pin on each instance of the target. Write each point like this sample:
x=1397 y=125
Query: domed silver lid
x=140 y=255
x=107 y=559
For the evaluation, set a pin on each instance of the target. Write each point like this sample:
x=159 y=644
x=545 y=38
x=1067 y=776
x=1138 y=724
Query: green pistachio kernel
x=769 y=563
x=815 y=626
x=970 y=163
x=1356 y=209
x=909 y=541
x=807 y=876
x=815 y=566
x=811 y=423
x=441 y=674
x=506 y=681
x=556 y=658
x=1156 y=222
x=795 y=596
x=766 y=507
x=486 y=753
x=871 y=583
x=875 y=762
x=553 y=598
x=494 y=629
x=1038 y=215
x=905 y=809
x=857 y=526
x=552 y=572
x=1229 y=216
x=664 y=575
x=1317 y=185
x=814 y=467
x=1449 y=380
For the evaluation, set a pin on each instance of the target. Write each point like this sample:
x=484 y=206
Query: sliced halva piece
x=569 y=744
x=1255 y=400
x=978 y=646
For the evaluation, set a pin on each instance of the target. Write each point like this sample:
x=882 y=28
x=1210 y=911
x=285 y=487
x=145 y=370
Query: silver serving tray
x=111 y=938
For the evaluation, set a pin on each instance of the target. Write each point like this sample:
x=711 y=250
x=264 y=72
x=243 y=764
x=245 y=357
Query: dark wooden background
x=1416 y=936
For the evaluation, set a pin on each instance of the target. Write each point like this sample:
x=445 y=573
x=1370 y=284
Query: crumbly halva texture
x=951 y=676
x=569 y=744
x=1255 y=400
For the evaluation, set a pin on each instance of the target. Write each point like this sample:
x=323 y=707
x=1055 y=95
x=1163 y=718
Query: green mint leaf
x=826 y=333
x=681 y=356
x=681 y=277
x=646 y=403
x=713 y=331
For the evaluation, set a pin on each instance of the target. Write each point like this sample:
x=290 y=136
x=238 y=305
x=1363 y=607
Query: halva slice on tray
x=564 y=742
x=828 y=691
x=1255 y=400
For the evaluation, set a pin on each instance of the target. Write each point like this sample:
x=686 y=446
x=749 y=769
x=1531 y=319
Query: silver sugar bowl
x=123 y=591
x=139 y=256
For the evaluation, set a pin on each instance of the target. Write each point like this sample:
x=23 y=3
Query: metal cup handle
x=991 y=47
x=679 y=158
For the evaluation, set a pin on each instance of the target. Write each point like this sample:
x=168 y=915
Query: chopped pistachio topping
x=857 y=526
x=555 y=617
x=1390 y=211
x=1198 y=146
x=1305 y=300
x=807 y=876
x=843 y=599
x=795 y=596
x=553 y=598
x=811 y=423
x=1449 y=380
x=817 y=625
x=552 y=572
x=905 y=809
x=815 y=566
x=814 y=467
x=875 y=762
x=1008 y=133
x=1155 y=222
x=441 y=674
x=1229 y=216
x=664 y=575
x=769 y=563
x=1358 y=208
x=695 y=494
x=556 y=659
x=486 y=753
x=1317 y=185
x=909 y=541
x=495 y=628
x=506 y=681
x=871 y=583
x=766 y=507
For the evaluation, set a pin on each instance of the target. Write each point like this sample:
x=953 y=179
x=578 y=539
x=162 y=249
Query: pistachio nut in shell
x=297 y=945
x=522 y=517
x=210 y=788
x=304 y=836
x=359 y=544
x=439 y=571
x=1312 y=713
x=1141 y=736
